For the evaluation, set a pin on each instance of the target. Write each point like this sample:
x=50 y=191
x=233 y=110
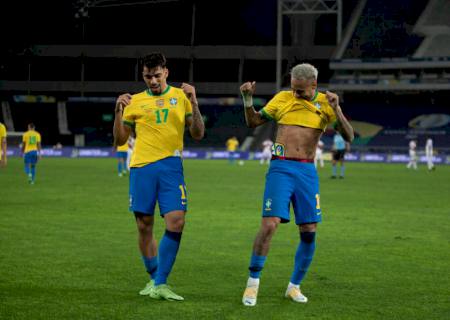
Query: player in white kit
x=267 y=151
x=319 y=154
x=412 y=155
x=429 y=154
x=130 y=150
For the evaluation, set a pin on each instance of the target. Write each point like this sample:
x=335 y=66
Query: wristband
x=248 y=101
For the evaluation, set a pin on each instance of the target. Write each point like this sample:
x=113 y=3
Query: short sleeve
x=187 y=107
x=38 y=138
x=128 y=117
x=270 y=110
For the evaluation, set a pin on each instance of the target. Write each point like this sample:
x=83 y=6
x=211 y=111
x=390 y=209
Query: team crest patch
x=268 y=205
x=278 y=149
x=160 y=103
x=317 y=105
x=173 y=101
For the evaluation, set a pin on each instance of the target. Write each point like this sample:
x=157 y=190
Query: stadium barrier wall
x=69 y=152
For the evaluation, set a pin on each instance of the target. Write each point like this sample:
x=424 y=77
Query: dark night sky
x=250 y=22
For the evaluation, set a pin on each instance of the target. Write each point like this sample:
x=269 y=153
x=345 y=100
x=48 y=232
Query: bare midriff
x=299 y=142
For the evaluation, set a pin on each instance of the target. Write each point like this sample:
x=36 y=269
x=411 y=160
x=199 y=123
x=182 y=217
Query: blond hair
x=304 y=71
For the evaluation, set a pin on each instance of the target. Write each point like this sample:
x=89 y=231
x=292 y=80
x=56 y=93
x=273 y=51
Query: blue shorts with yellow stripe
x=292 y=182
x=161 y=181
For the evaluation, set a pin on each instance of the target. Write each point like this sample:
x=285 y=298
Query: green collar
x=150 y=93
x=315 y=95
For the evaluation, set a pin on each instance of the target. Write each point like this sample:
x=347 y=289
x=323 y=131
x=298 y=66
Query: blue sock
x=334 y=170
x=119 y=167
x=27 y=169
x=168 y=249
x=33 y=171
x=151 y=265
x=256 y=265
x=342 y=170
x=303 y=256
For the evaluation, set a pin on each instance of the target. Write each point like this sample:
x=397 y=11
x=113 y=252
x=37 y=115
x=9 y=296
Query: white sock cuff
x=252 y=282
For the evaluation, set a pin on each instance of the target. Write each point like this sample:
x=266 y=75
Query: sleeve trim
x=264 y=114
x=128 y=123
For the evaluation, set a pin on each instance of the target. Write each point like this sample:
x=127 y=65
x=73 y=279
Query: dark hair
x=31 y=125
x=153 y=60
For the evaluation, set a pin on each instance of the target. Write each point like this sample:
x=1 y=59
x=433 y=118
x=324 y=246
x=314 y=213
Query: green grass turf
x=68 y=245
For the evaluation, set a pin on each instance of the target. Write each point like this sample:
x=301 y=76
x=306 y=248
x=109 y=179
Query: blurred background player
x=130 y=142
x=3 y=146
x=319 y=154
x=340 y=146
x=122 y=154
x=266 y=152
x=429 y=154
x=31 y=150
x=232 y=145
x=412 y=155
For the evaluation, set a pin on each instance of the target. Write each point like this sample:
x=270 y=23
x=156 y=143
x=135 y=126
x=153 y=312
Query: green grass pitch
x=68 y=245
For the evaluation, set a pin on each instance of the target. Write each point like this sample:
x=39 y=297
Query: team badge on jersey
x=173 y=101
x=160 y=103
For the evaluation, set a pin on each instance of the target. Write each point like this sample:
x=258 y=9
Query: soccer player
x=158 y=115
x=319 y=154
x=429 y=154
x=3 y=146
x=267 y=151
x=412 y=155
x=31 y=150
x=130 y=150
x=302 y=114
x=340 y=146
x=232 y=145
x=122 y=154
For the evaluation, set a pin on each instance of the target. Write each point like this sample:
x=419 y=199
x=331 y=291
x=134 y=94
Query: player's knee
x=176 y=224
x=270 y=226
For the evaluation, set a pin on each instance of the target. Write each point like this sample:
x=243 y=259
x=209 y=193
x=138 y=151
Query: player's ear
x=166 y=72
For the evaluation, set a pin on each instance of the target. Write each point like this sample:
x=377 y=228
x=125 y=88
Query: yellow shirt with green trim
x=159 y=122
x=122 y=148
x=3 y=135
x=232 y=144
x=286 y=109
x=31 y=138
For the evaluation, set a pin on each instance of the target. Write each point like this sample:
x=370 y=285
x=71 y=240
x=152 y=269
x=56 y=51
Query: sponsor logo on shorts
x=268 y=205
x=183 y=203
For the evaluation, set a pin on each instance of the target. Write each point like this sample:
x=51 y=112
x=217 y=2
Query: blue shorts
x=122 y=155
x=30 y=157
x=292 y=182
x=160 y=181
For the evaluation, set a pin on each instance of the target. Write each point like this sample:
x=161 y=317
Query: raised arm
x=344 y=127
x=194 y=122
x=121 y=132
x=252 y=117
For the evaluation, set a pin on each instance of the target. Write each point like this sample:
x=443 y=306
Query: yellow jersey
x=2 y=136
x=31 y=138
x=2 y=131
x=159 y=122
x=122 y=148
x=232 y=144
x=285 y=108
